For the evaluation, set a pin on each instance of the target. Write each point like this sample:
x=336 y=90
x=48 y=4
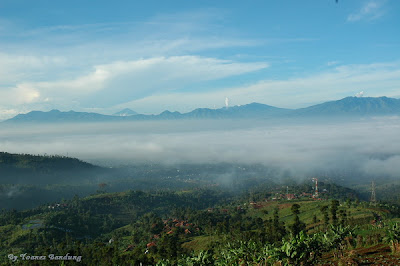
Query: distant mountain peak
x=125 y=112
x=354 y=105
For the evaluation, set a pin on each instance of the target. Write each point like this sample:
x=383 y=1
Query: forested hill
x=36 y=169
x=34 y=162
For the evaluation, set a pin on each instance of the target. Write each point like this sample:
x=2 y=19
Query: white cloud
x=121 y=81
x=8 y=112
x=22 y=94
x=25 y=94
x=370 y=11
x=17 y=67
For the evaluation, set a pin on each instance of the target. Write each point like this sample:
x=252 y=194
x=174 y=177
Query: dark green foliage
x=333 y=209
x=393 y=237
x=324 y=211
x=343 y=217
x=300 y=249
x=297 y=225
x=334 y=238
x=37 y=169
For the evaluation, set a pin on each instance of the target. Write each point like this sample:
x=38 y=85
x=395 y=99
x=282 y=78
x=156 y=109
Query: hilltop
x=125 y=112
x=355 y=106
x=27 y=181
x=39 y=169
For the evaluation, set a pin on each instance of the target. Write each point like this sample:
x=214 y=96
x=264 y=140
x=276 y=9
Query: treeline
x=40 y=162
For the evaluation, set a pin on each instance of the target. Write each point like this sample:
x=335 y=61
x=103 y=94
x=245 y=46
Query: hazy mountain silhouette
x=349 y=106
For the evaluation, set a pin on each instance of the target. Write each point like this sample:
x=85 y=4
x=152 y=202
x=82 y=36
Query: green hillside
x=38 y=169
x=182 y=227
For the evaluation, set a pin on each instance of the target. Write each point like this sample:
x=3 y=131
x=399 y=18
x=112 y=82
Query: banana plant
x=239 y=253
x=300 y=249
x=334 y=238
x=393 y=237
x=203 y=258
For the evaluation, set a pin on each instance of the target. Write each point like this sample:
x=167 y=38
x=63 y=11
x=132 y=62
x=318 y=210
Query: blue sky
x=149 y=56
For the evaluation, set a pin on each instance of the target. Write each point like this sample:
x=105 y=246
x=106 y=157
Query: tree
x=315 y=220
x=298 y=225
x=278 y=230
x=343 y=217
x=324 y=211
x=334 y=208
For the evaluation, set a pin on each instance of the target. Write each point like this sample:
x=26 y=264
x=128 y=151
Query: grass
x=368 y=230
x=198 y=243
x=308 y=208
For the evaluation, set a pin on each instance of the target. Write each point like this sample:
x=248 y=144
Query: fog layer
x=369 y=146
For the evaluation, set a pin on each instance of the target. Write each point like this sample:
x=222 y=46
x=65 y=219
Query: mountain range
x=346 y=107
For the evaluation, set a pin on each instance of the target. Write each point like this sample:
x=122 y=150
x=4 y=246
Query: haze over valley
x=349 y=151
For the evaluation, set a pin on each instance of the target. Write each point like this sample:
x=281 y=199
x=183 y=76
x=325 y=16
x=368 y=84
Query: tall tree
x=334 y=209
x=298 y=225
x=324 y=211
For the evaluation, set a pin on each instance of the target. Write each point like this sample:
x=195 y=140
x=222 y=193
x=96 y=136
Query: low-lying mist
x=368 y=146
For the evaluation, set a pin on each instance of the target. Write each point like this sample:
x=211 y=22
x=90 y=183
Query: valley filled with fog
x=363 y=146
x=234 y=155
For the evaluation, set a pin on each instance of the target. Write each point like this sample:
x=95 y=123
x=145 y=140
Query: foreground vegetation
x=203 y=227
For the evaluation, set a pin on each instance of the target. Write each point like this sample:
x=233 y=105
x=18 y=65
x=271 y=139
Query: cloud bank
x=367 y=147
x=117 y=82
